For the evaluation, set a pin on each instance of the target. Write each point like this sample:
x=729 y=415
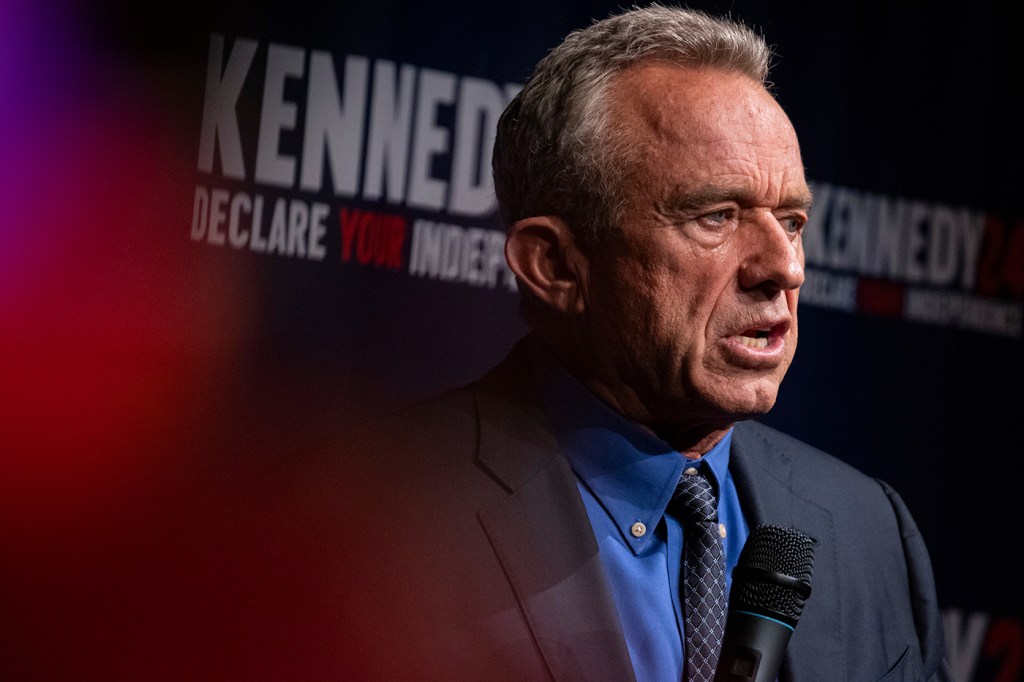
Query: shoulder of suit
x=507 y=383
x=807 y=467
x=860 y=508
x=448 y=417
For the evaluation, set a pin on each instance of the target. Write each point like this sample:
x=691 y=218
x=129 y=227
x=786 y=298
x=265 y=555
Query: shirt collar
x=630 y=471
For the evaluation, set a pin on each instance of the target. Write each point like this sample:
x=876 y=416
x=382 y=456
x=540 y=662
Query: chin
x=747 y=401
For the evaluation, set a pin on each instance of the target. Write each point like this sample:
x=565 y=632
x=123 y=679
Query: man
x=654 y=195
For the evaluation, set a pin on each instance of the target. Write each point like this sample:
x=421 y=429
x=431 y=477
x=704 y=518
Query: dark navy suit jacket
x=485 y=566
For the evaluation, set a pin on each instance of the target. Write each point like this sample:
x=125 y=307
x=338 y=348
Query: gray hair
x=555 y=152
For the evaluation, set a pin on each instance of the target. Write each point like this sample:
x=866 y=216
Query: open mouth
x=757 y=338
x=760 y=337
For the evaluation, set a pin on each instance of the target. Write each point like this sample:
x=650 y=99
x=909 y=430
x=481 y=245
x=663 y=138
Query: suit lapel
x=542 y=536
x=767 y=483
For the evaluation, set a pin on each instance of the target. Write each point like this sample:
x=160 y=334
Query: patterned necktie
x=703 y=581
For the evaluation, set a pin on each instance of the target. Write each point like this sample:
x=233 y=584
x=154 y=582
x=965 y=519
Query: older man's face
x=691 y=309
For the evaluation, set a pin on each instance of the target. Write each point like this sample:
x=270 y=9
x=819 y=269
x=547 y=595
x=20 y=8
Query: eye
x=792 y=224
x=719 y=217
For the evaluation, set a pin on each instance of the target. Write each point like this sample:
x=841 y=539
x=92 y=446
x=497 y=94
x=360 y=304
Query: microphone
x=770 y=585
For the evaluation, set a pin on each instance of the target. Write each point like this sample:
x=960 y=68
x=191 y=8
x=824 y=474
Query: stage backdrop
x=232 y=229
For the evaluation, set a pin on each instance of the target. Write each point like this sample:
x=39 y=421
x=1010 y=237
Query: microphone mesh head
x=773 y=549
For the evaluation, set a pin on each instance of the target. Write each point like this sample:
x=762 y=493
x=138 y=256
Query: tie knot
x=694 y=500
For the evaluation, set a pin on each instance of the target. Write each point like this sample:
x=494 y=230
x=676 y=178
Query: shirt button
x=690 y=471
x=638 y=530
x=721 y=530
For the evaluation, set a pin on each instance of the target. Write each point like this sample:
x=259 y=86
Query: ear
x=542 y=253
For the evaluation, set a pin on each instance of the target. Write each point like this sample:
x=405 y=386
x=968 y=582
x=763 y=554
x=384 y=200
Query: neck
x=693 y=442
x=687 y=429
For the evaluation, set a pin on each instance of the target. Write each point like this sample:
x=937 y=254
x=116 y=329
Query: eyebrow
x=682 y=199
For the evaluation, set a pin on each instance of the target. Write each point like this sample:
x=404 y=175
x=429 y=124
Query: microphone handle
x=752 y=648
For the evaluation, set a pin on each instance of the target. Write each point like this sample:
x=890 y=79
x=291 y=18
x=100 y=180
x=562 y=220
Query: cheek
x=661 y=299
x=621 y=317
x=679 y=323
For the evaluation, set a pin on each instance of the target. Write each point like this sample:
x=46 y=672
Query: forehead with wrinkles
x=694 y=125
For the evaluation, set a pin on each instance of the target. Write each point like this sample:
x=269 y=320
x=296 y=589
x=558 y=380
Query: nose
x=773 y=258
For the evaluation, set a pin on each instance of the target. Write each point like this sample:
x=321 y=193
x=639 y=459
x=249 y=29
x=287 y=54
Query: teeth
x=752 y=342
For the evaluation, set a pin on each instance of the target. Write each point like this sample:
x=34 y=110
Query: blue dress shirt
x=627 y=476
